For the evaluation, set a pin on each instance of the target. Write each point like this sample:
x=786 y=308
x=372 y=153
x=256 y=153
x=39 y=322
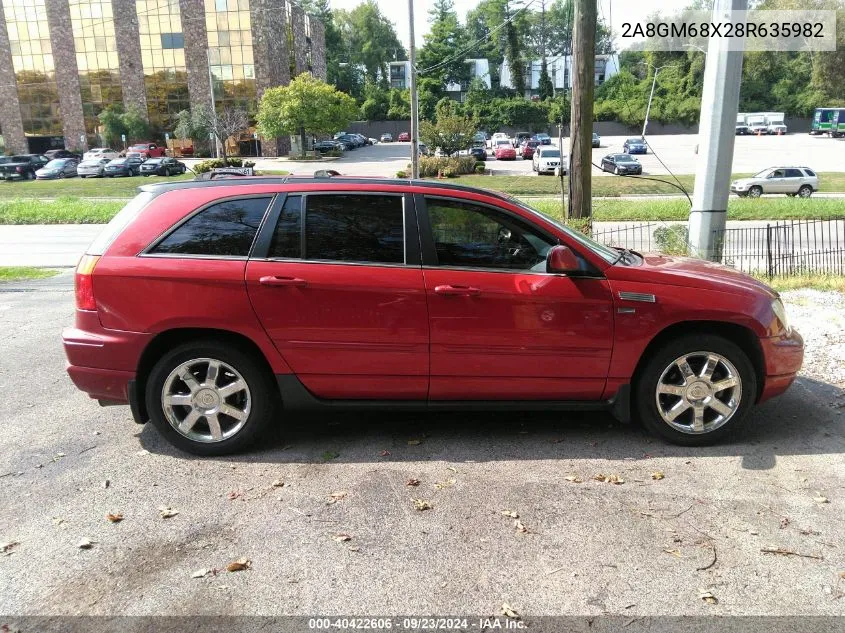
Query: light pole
x=651 y=96
x=415 y=115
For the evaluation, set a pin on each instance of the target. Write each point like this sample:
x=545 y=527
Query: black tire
x=755 y=192
x=805 y=191
x=30 y=175
x=644 y=405
x=262 y=388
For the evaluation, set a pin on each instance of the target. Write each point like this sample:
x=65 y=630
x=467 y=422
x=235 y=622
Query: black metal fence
x=785 y=248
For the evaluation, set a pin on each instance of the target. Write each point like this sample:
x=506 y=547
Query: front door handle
x=464 y=291
x=272 y=280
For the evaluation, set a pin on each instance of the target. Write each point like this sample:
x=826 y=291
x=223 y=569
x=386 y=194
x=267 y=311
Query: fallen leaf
x=330 y=455
x=842 y=574
x=609 y=479
x=784 y=522
x=574 y=479
x=508 y=611
x=166 y=512
x=657 y=475
x=342 y=537
x=421 y=504
x=115 y=518
x=444 y=484
x=239 y=565
x=6 y=548
x=384 y=453
x=201 y=573
x=143 y=451
x=412 y=482
x=708 y=597
x=673 y=552
x=234 y=495
x=519 y=526
x=58 y=456
x=278 y=483
x=336 y=496
x=58 y=520
x=354 y=548
x=821 y=499
x=85 y=543
x=511 y=514
x=414 y=442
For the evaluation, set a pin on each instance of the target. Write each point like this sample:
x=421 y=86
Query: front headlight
x=780 y=313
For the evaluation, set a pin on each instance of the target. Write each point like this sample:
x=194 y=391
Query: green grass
x=609 y=186
x=20 y=273
x=815 y=281
x=678 y=209
x=59 y=211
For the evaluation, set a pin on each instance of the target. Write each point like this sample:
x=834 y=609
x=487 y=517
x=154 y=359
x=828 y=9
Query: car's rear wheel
x=805 y=191
x=755 y=192
x=208 y=398
x=695 y=390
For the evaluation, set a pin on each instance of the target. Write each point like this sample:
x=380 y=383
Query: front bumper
x=782 y=357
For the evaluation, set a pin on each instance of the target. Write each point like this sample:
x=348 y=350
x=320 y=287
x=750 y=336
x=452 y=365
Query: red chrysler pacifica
x=210 y=306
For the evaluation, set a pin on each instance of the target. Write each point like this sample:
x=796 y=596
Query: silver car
x=793 y=181
x=91 y=168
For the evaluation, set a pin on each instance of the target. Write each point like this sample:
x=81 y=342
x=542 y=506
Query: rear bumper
x=783 y=356
x=102 y=384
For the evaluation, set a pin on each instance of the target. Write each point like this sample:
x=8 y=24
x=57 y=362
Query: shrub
x=480 y=167
x=401 y=174
x=215 y=163
x=433 y=165
x=673 y=239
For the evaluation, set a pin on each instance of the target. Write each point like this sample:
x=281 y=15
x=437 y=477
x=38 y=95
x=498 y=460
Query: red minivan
x=210 y=307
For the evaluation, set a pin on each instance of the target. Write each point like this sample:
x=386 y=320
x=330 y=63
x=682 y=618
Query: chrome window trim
x=512 y=271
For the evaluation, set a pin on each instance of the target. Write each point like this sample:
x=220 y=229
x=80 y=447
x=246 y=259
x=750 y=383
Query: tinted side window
x=354 y=228
x=223 y=229
x=809 y=172
x=287 y=236
x=794 y=173
x=466 y=235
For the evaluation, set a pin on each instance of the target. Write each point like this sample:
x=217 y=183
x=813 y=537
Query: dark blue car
x=635 y=146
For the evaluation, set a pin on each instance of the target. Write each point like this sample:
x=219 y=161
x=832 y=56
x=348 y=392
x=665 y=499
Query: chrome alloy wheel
x=206 y=400
x=698 y=392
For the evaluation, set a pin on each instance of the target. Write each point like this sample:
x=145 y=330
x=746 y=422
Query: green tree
x=443 y=45
x=546 y=87
x=305 y=106
x=451 y=132
x=376 y=103
x=371 y=39
x=136 y=124
x=399 y=108
x=111 y=120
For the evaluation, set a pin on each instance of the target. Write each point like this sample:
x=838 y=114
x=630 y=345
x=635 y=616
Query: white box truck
x=774 y=123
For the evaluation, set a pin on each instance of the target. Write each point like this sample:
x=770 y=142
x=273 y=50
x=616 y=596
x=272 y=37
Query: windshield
x=634 y=141
x=118 y=161
x=55 y=163
x=90 y=163
x=549 y=153
x=762 y=174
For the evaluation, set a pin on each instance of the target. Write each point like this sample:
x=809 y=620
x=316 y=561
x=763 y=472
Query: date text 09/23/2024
x=417 y=624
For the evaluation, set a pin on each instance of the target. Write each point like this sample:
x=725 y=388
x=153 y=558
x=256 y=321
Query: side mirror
x=561 y=259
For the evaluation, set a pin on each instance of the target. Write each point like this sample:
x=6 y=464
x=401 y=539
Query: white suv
x=547 y=158
x=96 y=153
x=793 y=181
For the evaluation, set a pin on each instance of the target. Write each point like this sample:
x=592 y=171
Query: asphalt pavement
x=324 y=510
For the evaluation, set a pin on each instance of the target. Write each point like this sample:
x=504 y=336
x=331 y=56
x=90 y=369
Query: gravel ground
x=326 y=517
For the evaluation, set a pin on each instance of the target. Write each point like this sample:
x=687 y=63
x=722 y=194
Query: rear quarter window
x=223 y=229
x=810 y=172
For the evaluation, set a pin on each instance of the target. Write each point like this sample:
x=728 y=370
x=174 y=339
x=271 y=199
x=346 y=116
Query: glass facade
x=32 y=60
x=96 y=58
x=163 y=58
x=229 y=29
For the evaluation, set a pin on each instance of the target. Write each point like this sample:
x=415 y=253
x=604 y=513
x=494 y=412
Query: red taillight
x=84 y=283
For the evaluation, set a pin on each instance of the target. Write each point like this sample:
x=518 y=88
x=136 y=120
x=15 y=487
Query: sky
x=618 y=11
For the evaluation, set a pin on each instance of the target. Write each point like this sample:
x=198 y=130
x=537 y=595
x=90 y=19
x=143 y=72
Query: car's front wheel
x=209 y=398
x=755 y=192
x=695 y=389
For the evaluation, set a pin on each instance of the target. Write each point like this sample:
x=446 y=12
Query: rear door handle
x=272 y=280
x=465 y=291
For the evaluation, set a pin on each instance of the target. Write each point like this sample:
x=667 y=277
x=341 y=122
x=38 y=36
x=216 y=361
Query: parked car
x=92 y=167
x=520 y=137
x=58 y=168
x=544 y=138
x=387 y=137
x=479 y=153
x=423 y=150
x=621 y=164
x=498 y=136
x=635 y=146
x=500 y=306
x=793 y=181
x=100 y=152
x=162 y=167
x=60 y=153
x=363 y=140
x=404 y=137
x=528 y=148
x=140 y=156
x=596 y=140
x=480 y=139
x=547 y=159
x=127 y=166
x=149 y=150
x=503 y=150
x=329 y=146
x=22 y=166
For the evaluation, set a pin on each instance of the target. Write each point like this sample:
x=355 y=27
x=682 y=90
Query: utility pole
x=415 y=111
x=651 y=96
x=717 y=132
x=583 y=84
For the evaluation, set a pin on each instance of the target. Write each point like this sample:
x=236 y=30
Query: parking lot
x=324 y=513
x=678 y=153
